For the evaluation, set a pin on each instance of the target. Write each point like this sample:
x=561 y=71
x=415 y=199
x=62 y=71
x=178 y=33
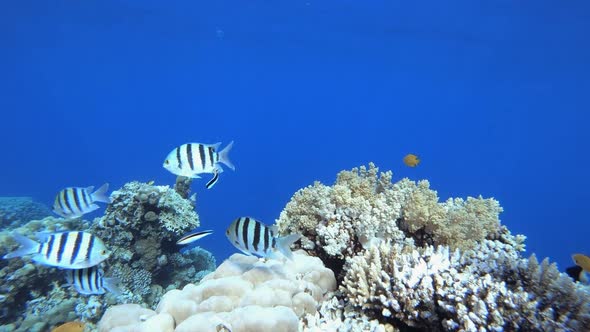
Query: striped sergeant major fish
x=68 y=250
x=254 y=238
x=192 y=159
x=90 y=281
x=73 y=202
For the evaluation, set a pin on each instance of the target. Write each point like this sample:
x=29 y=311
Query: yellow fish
x=411 y=160
x=70 y=327
x=582 y=261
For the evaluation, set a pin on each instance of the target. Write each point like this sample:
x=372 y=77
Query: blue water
x=492 y=96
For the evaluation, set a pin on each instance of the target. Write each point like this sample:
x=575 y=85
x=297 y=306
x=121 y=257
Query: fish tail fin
x=224 y=156
x=113 y=285
x=284 y=243
x=100 y=195
x=27 y=246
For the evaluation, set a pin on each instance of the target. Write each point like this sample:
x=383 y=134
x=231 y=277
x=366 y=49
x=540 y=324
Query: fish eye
x=103 y=252
x=167 y=162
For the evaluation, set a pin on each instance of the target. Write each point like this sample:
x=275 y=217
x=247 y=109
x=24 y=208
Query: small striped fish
x=192 y=237
x=192 y=159
x=188 y=241
x=254 y=238
x=73 y=202
x=90 y=281
x=68 y=250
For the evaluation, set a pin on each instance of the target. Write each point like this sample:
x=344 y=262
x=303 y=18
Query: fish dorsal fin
x=42 y=236
x=274 y=229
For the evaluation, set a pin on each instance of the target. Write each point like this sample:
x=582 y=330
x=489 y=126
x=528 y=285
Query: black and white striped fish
x=192 y=159
x=90 y=281
x=254 y=238
x=73 y=202
x=68 y=250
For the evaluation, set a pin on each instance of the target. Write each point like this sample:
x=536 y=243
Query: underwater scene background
x=492 y=97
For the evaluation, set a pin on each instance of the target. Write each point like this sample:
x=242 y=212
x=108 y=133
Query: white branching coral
x=440 y=290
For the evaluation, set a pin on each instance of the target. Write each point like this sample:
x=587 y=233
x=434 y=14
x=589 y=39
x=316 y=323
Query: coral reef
x=435 y=289
x=16 y=211
x=405 y=260
x=243 y=294
x=362 y=206
x=139 y=227
x=149 y=219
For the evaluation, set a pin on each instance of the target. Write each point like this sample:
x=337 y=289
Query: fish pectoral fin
x=79 y=261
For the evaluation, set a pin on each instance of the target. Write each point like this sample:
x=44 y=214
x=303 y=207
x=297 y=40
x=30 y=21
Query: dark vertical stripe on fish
x=89 y=248
x=79 y=278
x=95 y=278
x=210 y=150
x=189 y=156
x=63 y=240
x=238 y=221
x=202 y=155
x=77 y=199
x=59 y=200
x=266 y=238
x=100 y=282
x=256 y=239
x=68 y=209
x=85 y=279
x=49 y=246
x=86 y=197
x=77 y=243
x=178 y=157
x=274 y=243
x=245 y=232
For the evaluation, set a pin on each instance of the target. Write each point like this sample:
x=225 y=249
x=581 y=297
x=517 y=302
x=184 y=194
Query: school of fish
x=80 y=253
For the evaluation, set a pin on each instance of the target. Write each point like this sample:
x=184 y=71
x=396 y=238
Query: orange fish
x=582 y=261
x=70 y=327
x=411 y=160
